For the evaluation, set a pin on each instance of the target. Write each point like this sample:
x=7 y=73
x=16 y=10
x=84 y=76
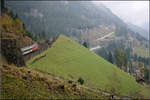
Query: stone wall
x=11 y=50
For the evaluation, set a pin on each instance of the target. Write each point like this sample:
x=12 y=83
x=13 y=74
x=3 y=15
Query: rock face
x=11 y=50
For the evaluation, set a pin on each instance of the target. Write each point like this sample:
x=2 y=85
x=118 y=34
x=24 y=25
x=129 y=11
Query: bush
x=85 y=44
x=12 y=25
x=29 y=34
x=80 y=80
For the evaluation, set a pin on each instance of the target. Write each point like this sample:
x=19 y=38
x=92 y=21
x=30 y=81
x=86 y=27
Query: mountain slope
x=139 y=30
x=24 y=83
x=69 y=60
x=67 y=17
x=80 y=20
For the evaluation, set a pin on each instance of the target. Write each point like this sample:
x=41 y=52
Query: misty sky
x=135 y=12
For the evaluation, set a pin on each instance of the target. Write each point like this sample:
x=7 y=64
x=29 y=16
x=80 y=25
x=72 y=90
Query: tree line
x=121 y=57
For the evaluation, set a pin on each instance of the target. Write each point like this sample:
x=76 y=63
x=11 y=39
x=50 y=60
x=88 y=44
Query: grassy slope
x=38 y=86
x=67 y=58
x=14 y=84
x=141 y=51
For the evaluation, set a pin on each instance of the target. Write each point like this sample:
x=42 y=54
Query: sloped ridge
x=24 y=83
x=70 y=60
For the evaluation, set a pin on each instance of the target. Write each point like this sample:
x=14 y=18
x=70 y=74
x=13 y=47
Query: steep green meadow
x=18 y=84
x=68 y=59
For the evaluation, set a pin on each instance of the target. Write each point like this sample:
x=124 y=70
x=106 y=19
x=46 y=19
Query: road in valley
x=94 y=48
x=102 y=38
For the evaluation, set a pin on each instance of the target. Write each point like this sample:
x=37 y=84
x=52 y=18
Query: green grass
x=67 y=58
x=38 y=86
x=141 y=51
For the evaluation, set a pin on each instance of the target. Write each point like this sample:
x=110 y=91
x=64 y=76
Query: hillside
x=71 y=18
x=79 y=20
x=54 y=74
x=24 y=83
x=12 y=28
x=69 y=60
x=139 y=30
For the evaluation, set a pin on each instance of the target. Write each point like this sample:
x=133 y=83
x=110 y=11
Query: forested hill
x=82 y=21
x=141 y=31
x=69 y=18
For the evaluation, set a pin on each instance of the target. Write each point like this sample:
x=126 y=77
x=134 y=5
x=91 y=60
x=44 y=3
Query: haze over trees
x=120 y=57
x=110 y=57
x=2 y=4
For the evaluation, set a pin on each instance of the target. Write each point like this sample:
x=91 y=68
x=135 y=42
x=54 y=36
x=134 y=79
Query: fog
x=135 y=12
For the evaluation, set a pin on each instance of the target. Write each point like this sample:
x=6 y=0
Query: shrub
x=85 y=44
x=80 y=80
x=29 y=34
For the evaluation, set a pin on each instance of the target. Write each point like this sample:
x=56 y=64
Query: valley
x=71 y=50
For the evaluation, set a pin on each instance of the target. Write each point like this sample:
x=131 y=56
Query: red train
x=29 y=49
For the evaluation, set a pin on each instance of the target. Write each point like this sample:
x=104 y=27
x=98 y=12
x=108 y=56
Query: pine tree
x=2 y=4
x=15 y=17
x=85 y=44
x=120 y=57
x=110 y=58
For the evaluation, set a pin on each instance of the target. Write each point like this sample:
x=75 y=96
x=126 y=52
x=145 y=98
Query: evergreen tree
x=24 y=27
x=85 y=44
x=103 y=53
x=11 y=14
x=146 y=75
x=81 y=81
x=131 y=67
x=120 y=57
x=29 y=34
x=110 y=58
x=135 y=57
x=43 y=34
x=15 y=17
x=2 y=4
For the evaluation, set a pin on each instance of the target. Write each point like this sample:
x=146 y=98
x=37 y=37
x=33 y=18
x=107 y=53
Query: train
x=28 y=49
